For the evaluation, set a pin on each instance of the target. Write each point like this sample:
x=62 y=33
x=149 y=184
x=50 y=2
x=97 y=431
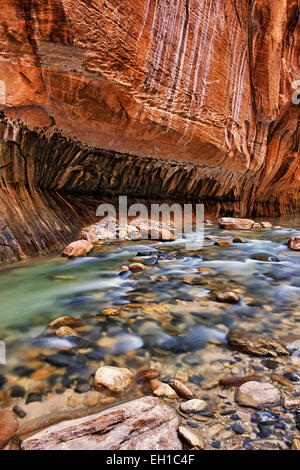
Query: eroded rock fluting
x=184 y=99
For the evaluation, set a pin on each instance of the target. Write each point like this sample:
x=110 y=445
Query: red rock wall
x=200 y=81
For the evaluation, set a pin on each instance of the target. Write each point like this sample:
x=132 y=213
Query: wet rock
x=192 y=437
x=239 y=240
x=64 y=331
x=34 y=397
x=281 y=380
x=222 y=243
x=226 y=297
x=64 y=321
x=19 y=412
x=181 y=389
x=182 y=376
x=238 y=428
x=8 y=427
x=78 y=248
x=257 y=226
x=23 y=371
x=92 y=399
x=111 y=312
x=230 y=223
x=2 y=381
x=164 y=390
x=294 y=243
x=291 y=403
x=17 y=391
x=193 y=406
x=146 y=253
x=296 y=444
x=291 y=377
x=145 y=375
x=236 y=381
x=114 y=379
x=134 y=267
x=255 y=344
x=270 y=364
x=206 y=271
x=267 y=225
x=266 y=257
x=257 y=395
x=82 y=387
x=143 y=424
x=265 y=418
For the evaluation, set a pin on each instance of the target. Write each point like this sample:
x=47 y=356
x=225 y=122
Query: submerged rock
x=64 y=331
x=267 y=257
x=136 y=267
x=164 y=390
x=8 y=427
x=78 y=248
x=143 y=424
x=230 y=223
x=114 y=379
x=64 y=321
x=259 y=345
x=236 y=381
x=257 y=394
x=226 y=297
x=239 y=240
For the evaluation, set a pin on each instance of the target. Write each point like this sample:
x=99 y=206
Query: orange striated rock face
x=180 y=98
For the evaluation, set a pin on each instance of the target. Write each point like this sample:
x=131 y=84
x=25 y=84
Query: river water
x=166 y=316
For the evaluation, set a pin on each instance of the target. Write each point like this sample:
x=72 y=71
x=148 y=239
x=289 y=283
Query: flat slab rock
x=230 y=223
x=143 y=424
x=256 y=344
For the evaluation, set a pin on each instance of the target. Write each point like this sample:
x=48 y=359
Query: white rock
x=193 y=406
x=164 y=390
x=257 y=395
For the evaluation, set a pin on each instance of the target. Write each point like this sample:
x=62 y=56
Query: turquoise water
x=33 y=293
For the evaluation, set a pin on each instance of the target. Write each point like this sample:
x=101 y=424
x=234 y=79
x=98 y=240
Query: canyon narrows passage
x=178 y=98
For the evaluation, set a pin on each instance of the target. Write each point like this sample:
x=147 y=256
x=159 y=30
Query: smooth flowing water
x=166 y=315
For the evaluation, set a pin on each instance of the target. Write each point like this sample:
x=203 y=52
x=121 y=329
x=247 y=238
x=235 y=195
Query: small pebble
x=34 y=397
x=237 y=428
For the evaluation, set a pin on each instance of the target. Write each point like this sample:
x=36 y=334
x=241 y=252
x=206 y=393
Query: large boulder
x=230 y=223
x=143 y=424
x=78 y=248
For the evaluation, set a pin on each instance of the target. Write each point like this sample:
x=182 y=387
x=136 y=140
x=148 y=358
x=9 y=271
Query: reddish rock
x=236 y=381
x=8 y=427
x=143 y=424
x=230 y=223
x=294 y=243
x=79 y=248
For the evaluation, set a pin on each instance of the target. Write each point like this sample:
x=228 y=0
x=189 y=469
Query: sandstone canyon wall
x=186 y=99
